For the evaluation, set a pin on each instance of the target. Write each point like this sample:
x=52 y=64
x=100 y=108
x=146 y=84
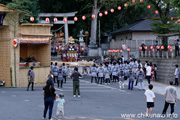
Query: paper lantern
x=47 y=19
x=169 y=47
x=55 y=19
x=31 y=19
x=100 y=14
x=119 y=7
x=133 y=1
x=141 y=0
x=125 y=4
x=145 y=47
x=57 y=47
x=15 y=43
x=128 y=49
x=178 y=20
x=140 y=48
x=151 y=47
x=106 y=12
x=93 y=16
x=156 y=12
x=112 y=10
x=84 y=17
x=117 y=50
x=158 y=47
x=75 y=19
x=65 y=19
x=121 y=51
x=172 y=18
x=162 y=47
x=149 y=6
x=109 y=51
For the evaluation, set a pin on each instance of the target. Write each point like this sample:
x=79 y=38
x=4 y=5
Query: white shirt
x=149 y=95
x=148 y=71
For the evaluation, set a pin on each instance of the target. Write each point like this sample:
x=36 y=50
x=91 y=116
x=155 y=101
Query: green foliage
x=26 y=8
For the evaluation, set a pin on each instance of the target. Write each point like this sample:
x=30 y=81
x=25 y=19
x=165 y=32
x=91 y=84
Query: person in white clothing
x=176 y=74
x=100 y=74
x=148 y=73
x=94 y=72
x=150 y=99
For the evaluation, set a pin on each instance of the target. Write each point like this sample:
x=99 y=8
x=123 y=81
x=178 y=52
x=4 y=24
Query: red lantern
x=65 y=19
x=133 y=1
x=158 y=47
x=57 y=47
x=106 y=12
x=15 y=43
x=151 y=47
x=47 y=19
x=121 y=51
x=140 y=48
x=128 y=49
x=112 y=10
x=119 y=7
x=162 y=47
x=84 y=17
x=125 y=4
x=109 y=51
x=82 y=48
x=100 y=14
x=156 y=11
x=117 y=50
x=55 y=19
x=171 y=18
x=149 y=6
x=146 y=47
x=178 y=20
x=75 y=18
x=93 y=16
x=141 y=0
x=31 y=19
x=169 y=47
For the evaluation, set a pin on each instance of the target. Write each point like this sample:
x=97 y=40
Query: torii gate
x=51 y=16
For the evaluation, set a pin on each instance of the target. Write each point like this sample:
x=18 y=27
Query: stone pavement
x=97 y=102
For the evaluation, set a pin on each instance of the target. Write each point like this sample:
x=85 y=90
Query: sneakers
x=79 y=96
x=74 y=95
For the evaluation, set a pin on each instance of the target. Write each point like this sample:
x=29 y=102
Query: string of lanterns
x=117 y=51
x=101 y=14
x=157 y=47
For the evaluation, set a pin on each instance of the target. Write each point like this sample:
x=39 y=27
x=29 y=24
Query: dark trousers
x=93 y=78
x=177 y=51
x=32 y=86
x=166 y=105
x=148 y=79
x=155 y=75
x=114 y=78
x=176 y=81
x=48 y=103
x=130 y=85
x=76 y=87
x=100 y=79
x=60 y=81
x=55 y=79
x=107 y=80
x=64 y=79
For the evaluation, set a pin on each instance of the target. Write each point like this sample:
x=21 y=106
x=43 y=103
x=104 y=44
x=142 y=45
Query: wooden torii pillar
x=42 y=16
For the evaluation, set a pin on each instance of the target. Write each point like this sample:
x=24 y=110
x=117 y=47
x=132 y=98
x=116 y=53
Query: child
x=131 y=76
x=140 y=76
x=114 y=72
x=94 y=73
x=64 y=71
x=60 y=106
x=100 y=73
x=107 y=72
x=121 y=78
x=60 y=78
x=150 y=100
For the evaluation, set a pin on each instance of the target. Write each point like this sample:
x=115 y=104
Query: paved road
x=97 y=102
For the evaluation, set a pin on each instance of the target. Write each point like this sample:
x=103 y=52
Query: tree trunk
x=95 y=11
x=165 y=43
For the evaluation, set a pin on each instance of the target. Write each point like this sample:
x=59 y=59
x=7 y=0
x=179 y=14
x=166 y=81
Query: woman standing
x=49 y=94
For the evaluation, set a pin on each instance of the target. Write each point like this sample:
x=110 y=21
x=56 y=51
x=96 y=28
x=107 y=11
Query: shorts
x=60 y=111
x=150 y=104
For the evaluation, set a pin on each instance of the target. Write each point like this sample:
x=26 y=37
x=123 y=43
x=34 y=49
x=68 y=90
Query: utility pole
x=99 y=34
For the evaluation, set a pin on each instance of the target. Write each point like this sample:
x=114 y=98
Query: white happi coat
x=94 y=72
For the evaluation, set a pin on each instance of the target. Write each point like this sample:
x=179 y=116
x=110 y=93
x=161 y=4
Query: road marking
x=26 y=100
x=59 y=89
x=13 y=95
x=3 y=91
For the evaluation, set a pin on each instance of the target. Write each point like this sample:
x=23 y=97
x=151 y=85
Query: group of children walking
x=118 y=72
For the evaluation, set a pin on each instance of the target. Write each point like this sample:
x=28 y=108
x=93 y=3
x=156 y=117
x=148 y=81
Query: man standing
x=75 y=78
x=177 y=47
x=55 y=72
x=176 y=74
x=170 y=97
x=148 y=73
x=31 y=76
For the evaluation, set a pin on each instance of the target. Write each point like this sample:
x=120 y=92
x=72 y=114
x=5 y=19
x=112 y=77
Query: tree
x=26 y=8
